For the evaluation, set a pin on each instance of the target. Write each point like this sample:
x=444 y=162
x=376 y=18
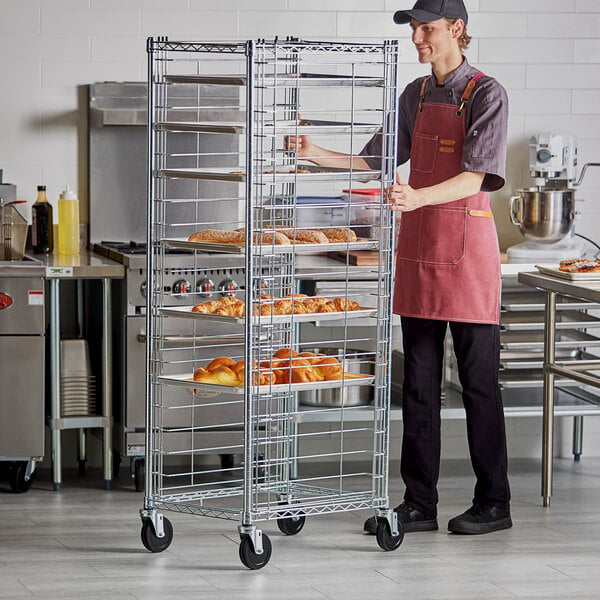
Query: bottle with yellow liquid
x=68 y=222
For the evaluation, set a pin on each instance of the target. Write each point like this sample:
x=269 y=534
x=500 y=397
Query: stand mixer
x=545 y=213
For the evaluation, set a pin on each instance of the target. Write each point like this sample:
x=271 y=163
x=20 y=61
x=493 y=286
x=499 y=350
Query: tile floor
x=83 y=543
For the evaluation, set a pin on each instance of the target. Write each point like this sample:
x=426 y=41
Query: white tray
x=282 y=127
x=186 y=311
x=361 y=244
x=187 y=381
x=282 y=174
x=556 y=272
x=303 y=79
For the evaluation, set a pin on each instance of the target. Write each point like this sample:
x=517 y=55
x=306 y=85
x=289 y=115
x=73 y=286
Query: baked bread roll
x=305 y=236
x=339 y=234
x=220 y=361
x=285 y=353
x=311 y=357
x=329 y=368
x=215 y=236
x=265 y=238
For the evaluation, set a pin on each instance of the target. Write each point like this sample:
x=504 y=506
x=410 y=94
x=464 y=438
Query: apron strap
x=422 y=92
x=466 y=95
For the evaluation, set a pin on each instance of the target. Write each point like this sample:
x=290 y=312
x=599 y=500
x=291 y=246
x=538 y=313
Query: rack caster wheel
x=385 y=539
x=291 y=525
x=250 y=558
x=151 y=541
x=17 y=477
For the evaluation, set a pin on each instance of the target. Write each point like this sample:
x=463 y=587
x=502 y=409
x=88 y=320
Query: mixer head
x=553 y=157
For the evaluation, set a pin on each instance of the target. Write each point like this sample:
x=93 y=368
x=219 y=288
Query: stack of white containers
x=77 y=384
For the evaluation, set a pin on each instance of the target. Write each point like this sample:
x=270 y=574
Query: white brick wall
x=545 y=52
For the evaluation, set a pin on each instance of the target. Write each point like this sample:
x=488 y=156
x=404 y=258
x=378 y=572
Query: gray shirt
x=484 y=149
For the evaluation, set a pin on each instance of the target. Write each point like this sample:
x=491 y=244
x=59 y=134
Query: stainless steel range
x=117 y=176
x=191 y=280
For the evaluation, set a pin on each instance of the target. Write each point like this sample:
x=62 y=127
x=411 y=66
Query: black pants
x=477 y=350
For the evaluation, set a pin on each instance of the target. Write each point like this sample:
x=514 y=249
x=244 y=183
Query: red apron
x=448 y=258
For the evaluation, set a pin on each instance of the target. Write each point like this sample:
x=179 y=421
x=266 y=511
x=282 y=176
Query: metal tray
x=282 y=174
x=534 y=340
x=527 y=301
x=534 y=320
x=303 y=79
x=186 y=311
x=555 y=272
x=183 y=243
x=284 y=127
x=351 y=379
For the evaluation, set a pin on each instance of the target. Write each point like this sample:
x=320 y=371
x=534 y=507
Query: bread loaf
x=339 y=234
x=215 y=236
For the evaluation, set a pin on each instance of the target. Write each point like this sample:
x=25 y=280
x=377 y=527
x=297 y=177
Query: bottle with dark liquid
x=42 y=239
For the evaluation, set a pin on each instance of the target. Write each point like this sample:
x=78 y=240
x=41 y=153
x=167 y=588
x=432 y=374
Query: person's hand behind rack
x=304 y=148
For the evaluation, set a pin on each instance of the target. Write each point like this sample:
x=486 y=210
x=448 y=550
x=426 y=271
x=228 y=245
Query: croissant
x=206 y=307
x=326 y=308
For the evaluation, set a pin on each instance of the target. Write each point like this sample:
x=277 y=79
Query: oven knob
x=205 y=287
x=144 y=289
x=228 y=287
x=181 y=288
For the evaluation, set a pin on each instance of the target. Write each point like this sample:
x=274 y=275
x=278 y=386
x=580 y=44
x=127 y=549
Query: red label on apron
x=448 y=260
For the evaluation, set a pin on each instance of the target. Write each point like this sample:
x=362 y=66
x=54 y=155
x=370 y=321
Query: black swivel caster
x=248 y=555
x=151 y=541
x=385 y=539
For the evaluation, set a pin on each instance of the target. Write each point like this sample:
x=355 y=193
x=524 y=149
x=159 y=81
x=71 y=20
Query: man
x=452 y=127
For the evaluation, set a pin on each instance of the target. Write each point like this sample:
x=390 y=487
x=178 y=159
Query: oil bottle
x=68 y=222
x=42 y=238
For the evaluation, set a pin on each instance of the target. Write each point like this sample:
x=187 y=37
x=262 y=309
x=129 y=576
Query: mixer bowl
x=544 y=216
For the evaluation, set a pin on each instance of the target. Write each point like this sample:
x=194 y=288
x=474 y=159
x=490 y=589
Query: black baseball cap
x=432 y=10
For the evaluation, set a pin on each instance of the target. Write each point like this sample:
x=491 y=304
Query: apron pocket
x=442 y=236
x=423 y=153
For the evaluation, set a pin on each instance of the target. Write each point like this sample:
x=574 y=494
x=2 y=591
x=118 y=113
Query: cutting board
x=359 y=258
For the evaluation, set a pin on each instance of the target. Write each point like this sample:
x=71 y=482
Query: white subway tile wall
x=545 y=52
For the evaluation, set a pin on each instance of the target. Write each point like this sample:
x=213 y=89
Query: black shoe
x=480 y=518
x=410 y=517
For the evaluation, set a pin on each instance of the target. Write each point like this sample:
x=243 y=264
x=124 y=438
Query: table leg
x=577 y=437
x=107 y=382
x=548 y=391
x=54 y=335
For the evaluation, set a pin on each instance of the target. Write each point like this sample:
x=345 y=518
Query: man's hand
x=403 y=197
x=302 y=145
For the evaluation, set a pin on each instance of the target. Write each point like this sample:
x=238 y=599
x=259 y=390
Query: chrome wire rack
x=227 y=433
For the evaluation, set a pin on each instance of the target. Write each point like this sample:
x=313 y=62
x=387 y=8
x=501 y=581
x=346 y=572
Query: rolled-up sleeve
x=484 y=149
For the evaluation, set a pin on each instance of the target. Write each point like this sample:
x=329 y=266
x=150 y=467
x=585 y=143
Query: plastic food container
x=366 y=205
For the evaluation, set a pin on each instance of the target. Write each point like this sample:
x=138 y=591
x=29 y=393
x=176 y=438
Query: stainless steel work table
x=86 y=265
x=577 y=370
